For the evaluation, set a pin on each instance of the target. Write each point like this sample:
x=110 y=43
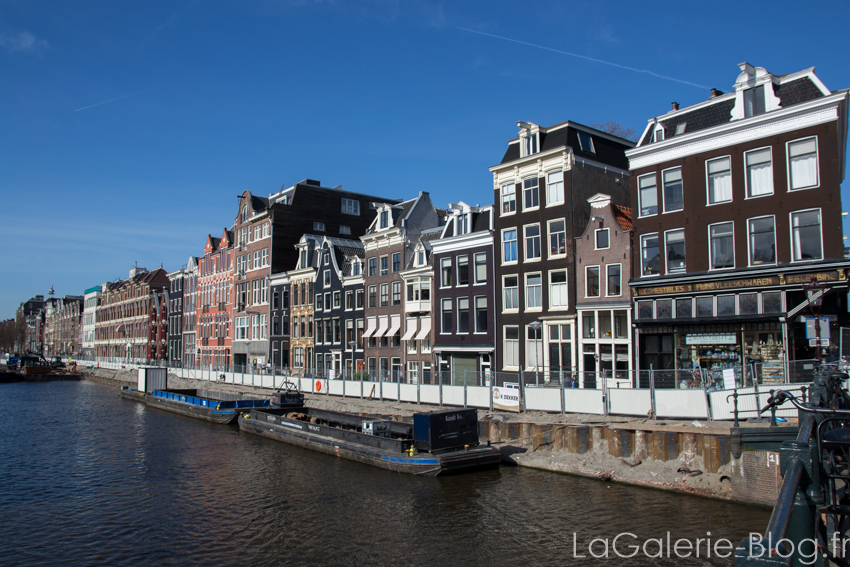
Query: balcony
x=417 y=306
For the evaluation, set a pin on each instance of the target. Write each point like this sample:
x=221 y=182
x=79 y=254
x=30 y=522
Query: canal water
x=87 y=478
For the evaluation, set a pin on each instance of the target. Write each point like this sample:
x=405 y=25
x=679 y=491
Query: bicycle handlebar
x=778 y=397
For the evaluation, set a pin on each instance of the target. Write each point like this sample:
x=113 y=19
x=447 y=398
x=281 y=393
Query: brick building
x=214 y=309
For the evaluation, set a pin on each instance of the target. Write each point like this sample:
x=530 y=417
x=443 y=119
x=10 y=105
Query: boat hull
x=344 y=444
x=205 y=409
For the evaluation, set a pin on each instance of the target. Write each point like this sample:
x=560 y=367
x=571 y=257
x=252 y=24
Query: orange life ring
x=318 y=385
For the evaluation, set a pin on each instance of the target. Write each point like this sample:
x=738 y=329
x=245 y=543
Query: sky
x=130 y=128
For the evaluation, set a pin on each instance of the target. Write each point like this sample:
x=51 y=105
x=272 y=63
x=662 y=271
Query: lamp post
x=351 y=345
x=536 y=325
x=815 y=292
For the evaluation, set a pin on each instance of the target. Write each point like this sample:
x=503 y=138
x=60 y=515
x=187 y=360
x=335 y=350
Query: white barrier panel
x=453 y=395
x=579 y=400
x=626 y=401
x=721 y=409
x=390 y=390
x=351 y=388
x=335 y=387
x=429 y=394
x=687 y=404
x=542 y=399
x=407 y=393
x=478 y=397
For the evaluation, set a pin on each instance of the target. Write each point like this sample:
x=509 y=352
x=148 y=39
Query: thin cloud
x=117 y=98
x=586 y=58
x=22 y=41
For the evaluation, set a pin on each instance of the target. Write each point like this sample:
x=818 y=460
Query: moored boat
x=436 y=443
x=207 y=405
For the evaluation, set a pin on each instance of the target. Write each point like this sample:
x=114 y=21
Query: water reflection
x=91 y=479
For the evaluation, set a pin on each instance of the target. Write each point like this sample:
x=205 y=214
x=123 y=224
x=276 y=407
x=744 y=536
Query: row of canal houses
x=692 y=248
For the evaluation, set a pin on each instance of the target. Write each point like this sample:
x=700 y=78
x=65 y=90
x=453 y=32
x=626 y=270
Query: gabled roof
x=623 y=216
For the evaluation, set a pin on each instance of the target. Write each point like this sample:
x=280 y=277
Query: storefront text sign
x=506 y=396
x=711 y=339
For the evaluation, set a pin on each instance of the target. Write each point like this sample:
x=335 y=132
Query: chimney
x=715 y=92
x=675 y=106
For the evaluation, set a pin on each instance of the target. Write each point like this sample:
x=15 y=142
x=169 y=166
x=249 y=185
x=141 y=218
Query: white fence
x=667 y=403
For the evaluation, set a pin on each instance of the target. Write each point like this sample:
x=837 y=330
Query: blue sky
x=129 y=128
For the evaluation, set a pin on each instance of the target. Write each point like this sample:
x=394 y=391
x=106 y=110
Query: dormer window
x=244 y=213
x=754 y=101
x=304 y=256
x=528 y=138
x=529 y=144
x=462 y=224
x=385 y=219
x=680 y=128
x=585 y=142
x=658 y=135
x=420 y=257
x=355 y=267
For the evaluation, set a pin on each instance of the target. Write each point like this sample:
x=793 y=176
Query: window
x=719 y=173
x=658 y=134
x=385 y=294
x=396 y=293
x=530 y=193
x=343 y=229
x=241 y=328
x=373 y=296
x=722 y=245
x=385 y=219
x=480 y=259
x=754 y=101
x=385 y=265
x=396 y=261
x=446 y=316
x=533 y=347
x=256 y=259
x=264 y=291
x=602 y=239
x=373 y=266
x=648 y=195
x=358 y=299
x=264 y=324
x=258 y=231
x=558 y=289
x=802 y=164
x=462 y=314
x=649 y=260
x=420 y=257
x=614 y=280
x=532 y=242
x=511 y=347
x=319 y=226
x=533 y=291
x=591 y=281
x=264 y=256
x=586 y=142
x=337 y=300
x=511 y=292
x=806 y=235
x=355 y=267
x=445 y=272
x=762 y=240
x=680 y=128
x=350 y=207
x=481 y=314
x=557 y=238
x=674 y=246
x=509 y=252
x=255 y=288
x=463 y=270
x=555 y=188
x=759 y=176
x=529 y=144
x=255 y=327
x=508 y=198
x=674 y=199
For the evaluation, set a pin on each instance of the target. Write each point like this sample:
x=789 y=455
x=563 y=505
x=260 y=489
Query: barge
x=437 y=443
x=215 y=407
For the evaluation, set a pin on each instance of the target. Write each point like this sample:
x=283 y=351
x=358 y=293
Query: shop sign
x=807 y=278
x=732 y=284
x=506 y=397
x=712 y=339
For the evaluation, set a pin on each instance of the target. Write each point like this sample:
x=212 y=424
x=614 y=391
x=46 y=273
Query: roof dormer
x=754 y=92
x=420 y=256
x=529 y=138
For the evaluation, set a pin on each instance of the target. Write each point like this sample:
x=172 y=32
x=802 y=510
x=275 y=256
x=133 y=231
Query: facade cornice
x=462 y=242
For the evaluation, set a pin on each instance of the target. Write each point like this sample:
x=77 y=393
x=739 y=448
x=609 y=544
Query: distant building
x=190 y=316
x=214 y=308
x=91 y=298
x=32 y=311
x=177 y=282
x=279 y=333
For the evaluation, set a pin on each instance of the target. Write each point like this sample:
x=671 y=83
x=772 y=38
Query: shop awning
x=382 y=327
x=411 y=329
x=371 y=327
x=395 y=326
x=426 y=328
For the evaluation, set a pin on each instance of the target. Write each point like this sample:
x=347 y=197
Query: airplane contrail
x=585 y=57
x=117 y=98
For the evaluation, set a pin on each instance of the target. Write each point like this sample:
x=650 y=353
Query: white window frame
x=460 y=300
x=608 y=280
x=598 y=269
x=711 y=247
x=477 y=309
x=596 y=234
x=556 y=186
x=643 y=264
x=791 y=169
x=794 y=249
x=510 y=359
x=529 y=292
x=667 y=268
x=561 y=290
x=708 y=185
x=747 y=177
x=536 y=192
x=641 y=187
x=479 y=259
x=750 y=250
x=665 y=184
x=516 y=250
x=446 y=269
x=526 y=240
x=506 y=290
x=508 y=198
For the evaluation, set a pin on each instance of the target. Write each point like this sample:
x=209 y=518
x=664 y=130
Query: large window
x=557 y=238
x=508 y=198
x=397 y=261
x=510 y=347
x=373 y=266
x=648 y=195
x=373 y=296
x=446 y=316
x=674 y=246
x=385 y=265
x=719 y=173
x=350 y=207
x=445 y=272
x=385 y=294
x=674 y=199
x=396 y=293
x=532 y=242
x=533 y=291
x=722 y=245
x=591 y=281
x=802 y=164
x=555 y=188
x=511 y=291
x=762 y=240
x=509 y=252
x=481 y=314
x=649 y=259
x=558 y=289
x=480 y=267
x=463 y=270
x=614 y=280
x=462 y=314
x=759 y=176
x=530 y=193
x=533 y=347
x=806 y=235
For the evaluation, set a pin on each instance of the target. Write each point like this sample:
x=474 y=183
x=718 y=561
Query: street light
x=815 y=292
x=536 y=325
x=351 y=345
